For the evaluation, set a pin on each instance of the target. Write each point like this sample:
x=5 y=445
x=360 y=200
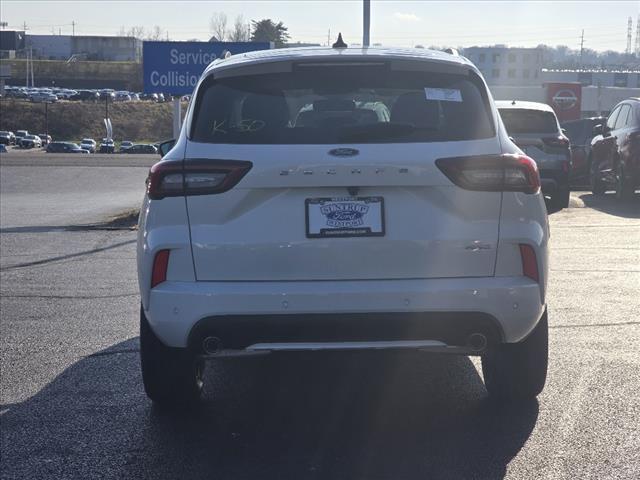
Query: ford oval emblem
x=344 y=152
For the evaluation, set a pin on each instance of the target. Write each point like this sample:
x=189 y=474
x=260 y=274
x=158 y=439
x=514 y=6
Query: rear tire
x=624 y=188
x=172 y=377
x=598 y=187
x=518 y=370
x=560 y=199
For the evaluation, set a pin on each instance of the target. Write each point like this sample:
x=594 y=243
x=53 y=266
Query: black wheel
x=624 y=188
x=518 y=370
x=560 y=199
x=172 y=377
x=598 y=187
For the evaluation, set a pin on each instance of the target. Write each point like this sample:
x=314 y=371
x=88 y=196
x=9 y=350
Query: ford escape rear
x=322 y=199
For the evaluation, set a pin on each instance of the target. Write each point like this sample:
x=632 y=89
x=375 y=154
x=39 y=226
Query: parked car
x=615 y=151
x=580 y=133
x=140 y=148
x=122 y=97
x=7 y=138
x=107 y=146
x=107 y=95
x=88 y=144
x=65 y=147
x=86 y=96
x=19 y=134
x=39 y=97
x=124 y=146
x=3 y=148
x=46 y=139
x=65 y=93
x=273 y=227
x=149 y=96
x=535 y=129
x=30 y=141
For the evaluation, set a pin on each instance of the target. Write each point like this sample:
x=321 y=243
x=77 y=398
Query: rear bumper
x=505 y=309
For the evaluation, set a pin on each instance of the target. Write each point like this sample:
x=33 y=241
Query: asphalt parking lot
x=73 y=407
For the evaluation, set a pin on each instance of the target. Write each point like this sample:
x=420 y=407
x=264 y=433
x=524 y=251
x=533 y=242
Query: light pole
x=46 y=120
x=366 y=22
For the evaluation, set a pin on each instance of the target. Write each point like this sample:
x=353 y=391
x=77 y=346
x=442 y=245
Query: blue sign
x=175 y=67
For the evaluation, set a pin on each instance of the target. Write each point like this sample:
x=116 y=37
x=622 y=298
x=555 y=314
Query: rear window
x=341 y=104
x=528 y=121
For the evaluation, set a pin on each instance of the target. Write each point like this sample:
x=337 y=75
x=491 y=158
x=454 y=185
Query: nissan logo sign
x=565 y=99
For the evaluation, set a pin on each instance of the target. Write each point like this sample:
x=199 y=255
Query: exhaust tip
x=211 y=345
x=477 y=342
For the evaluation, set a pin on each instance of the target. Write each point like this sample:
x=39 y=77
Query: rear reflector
x=194 y=177
x=529 y=262
x=160 y=264
x=492 y=173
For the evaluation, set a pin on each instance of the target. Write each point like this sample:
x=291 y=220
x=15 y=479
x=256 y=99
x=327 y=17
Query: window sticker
x=443 y=94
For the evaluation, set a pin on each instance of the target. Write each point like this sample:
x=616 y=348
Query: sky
x=397 y=23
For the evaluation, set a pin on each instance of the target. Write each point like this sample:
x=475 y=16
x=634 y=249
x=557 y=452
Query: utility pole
x=329 y=38
x=366 y=22
x=629 y=28
x=638 y=37
x=46 y=118
x=581 y=48
x=33 y=84
x=73 y=28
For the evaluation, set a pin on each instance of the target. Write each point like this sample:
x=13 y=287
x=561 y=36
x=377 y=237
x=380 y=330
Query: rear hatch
x=538 y=134
x=350 y=193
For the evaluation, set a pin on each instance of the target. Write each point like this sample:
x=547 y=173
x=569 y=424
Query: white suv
x=423 y=228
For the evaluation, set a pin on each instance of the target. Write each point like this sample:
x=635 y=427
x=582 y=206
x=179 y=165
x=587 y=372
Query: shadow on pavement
x=608 y=203
x=298 y=416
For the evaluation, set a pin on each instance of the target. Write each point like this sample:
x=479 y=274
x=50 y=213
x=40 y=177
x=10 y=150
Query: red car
x=615 y=151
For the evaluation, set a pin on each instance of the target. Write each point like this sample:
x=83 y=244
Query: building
x=99 y=48
x=602 y=78
x=502 y=65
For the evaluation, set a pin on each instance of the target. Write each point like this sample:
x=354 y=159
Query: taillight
x=194 y=177
x=492 y=173
x=160 y=264
x=559 y=141
x=529 y=262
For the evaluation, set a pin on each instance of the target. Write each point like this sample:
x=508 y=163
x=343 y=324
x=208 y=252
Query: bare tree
x=218 y=26
x=156 y=34
x=137 y=32
x=240 y=32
